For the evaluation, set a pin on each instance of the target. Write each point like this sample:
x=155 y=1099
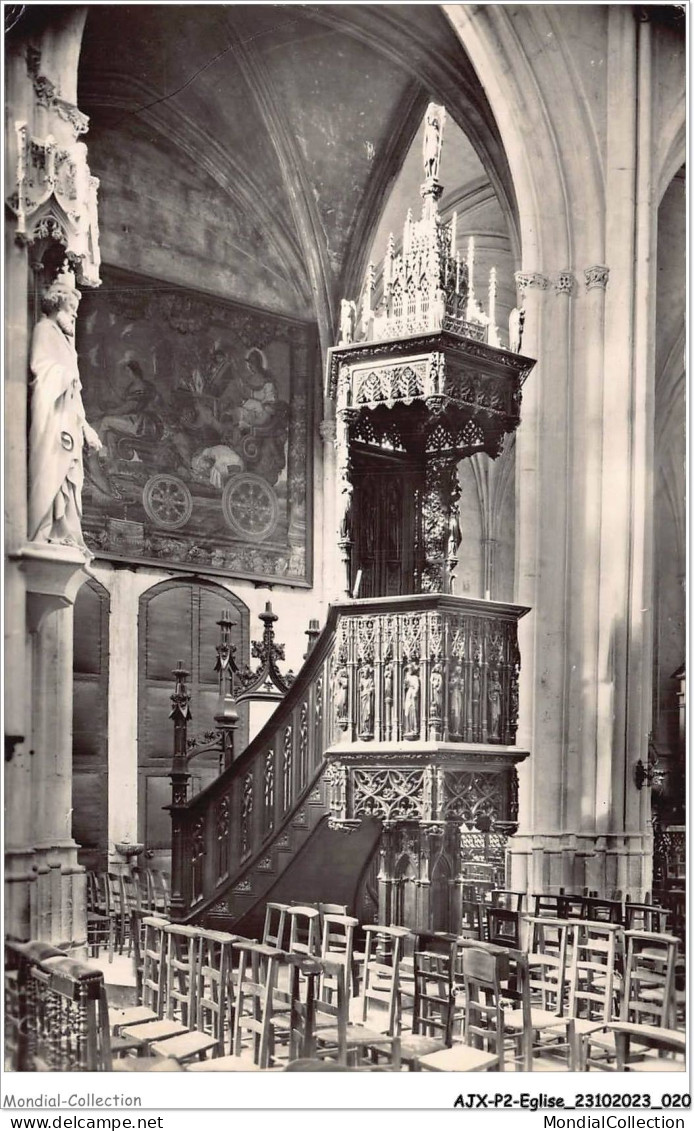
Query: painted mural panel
x=204 y=411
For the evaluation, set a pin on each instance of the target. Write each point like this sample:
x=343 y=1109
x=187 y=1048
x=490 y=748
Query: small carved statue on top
x=59 y=429
x=433 y=130
x=348 y=321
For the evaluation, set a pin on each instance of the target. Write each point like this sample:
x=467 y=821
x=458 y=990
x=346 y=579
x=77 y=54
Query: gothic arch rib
x=113 y=90
x=296 y=181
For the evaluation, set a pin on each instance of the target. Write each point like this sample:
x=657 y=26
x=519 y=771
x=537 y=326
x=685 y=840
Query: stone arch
x=549 y=172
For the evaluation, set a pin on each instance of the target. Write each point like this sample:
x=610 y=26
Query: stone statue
x=411 y=700
x=455 y=693
x=436 y=688
x=348 y=321
x=341 y=696
x=515 y=329
x=59 y=429
x=494 y=697
x=366 y=702
x=432 y=140
x=388 y=696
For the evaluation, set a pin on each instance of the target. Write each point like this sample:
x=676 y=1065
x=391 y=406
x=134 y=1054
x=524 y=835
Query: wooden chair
x=275 y=924
x=502 y=926
x=151 y=982
x=175 y=981
x=664 y=1041
x=382 y=980
x=546 y=905
x=592 y=986
x=100 y=928
x=649 y=989
x=540 y=993
x=212 y=1013
x=255 y=1013
x=68 y=1021
x=117 y=910
x=337 y=945
x=330 y=1034
x=603 y=910
x=434 y=998
x=645 y=917
x=483 y=972
x=304 y=930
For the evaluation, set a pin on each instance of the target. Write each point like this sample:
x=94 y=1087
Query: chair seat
x=224 y=1064
x=132 y=1015
x=356 y=1035
x=185 y=1046
x=154 y=1031
x=460 y=1058
x=539 y=1019
x=657 y=1064
x=122 y=1045
x=146 y=1064
x=413 y=1046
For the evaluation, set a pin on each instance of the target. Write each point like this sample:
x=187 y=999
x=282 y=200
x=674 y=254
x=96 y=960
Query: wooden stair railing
x=270 y=795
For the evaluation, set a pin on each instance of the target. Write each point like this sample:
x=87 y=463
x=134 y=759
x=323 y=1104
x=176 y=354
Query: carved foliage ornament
x=596 y=276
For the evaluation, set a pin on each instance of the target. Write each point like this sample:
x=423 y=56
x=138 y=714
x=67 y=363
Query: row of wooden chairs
x=111 y=899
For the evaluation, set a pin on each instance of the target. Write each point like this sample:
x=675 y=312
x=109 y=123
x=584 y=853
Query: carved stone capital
x=565 y=283
x=527 y=280
x=54 y=574
x=596 y=276
x=328 y=431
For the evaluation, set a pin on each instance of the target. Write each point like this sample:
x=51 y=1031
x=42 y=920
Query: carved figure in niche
x=411 y=684
x=476 y=683
x=348 y=321
x=494 y=697
x=455 y=698
x=388 y=696
x=59 y=429
x=436 y=688
x=515 y=329
x=366 y=702
x=432 y=141
x=341 y=696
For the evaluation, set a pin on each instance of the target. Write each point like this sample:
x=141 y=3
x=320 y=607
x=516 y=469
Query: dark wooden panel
x=168 y=632
x=89 y=724
x=88 y=630
x=90 y=809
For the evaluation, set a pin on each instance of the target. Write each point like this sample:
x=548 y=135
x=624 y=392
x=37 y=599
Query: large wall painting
x=204 y=410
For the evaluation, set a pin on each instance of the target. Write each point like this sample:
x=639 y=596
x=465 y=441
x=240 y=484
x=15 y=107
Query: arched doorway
x=178 y=622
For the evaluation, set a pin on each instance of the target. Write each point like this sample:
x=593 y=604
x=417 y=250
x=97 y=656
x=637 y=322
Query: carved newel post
x=227 y=717
x=180 y=713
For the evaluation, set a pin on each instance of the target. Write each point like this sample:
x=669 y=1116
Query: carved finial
x=313 y=632
x=181 y=696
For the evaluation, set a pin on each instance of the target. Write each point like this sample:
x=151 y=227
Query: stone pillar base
x=607 y=863
x=20 y=874
x=59 y=899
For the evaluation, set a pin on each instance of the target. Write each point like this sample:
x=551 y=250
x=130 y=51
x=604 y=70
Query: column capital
x=596 y=276
x=565 y=283
x=54 y=575
x=527 y=280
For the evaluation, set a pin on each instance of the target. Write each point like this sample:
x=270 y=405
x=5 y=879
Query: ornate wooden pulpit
x=424 y=683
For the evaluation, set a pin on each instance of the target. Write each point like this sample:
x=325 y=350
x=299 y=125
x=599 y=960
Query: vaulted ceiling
x=256 y=144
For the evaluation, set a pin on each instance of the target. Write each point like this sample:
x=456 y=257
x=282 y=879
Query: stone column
x=125 y=588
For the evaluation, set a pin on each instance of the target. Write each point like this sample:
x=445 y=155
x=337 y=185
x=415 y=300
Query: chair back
x=502 y=926
x=645 y=917
x=214 y=996
x=154 y=964
x=594 y=953
x=603 y=910
x=181 y=973
x=275 y=922
x=547 y=963
x=304 y=930
x=384 y=951
x=483 y=973
x=649 y=980
x=434 y=989
x=258 y=968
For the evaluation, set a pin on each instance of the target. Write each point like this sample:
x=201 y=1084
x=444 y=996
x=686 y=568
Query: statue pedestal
x=47 y=885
